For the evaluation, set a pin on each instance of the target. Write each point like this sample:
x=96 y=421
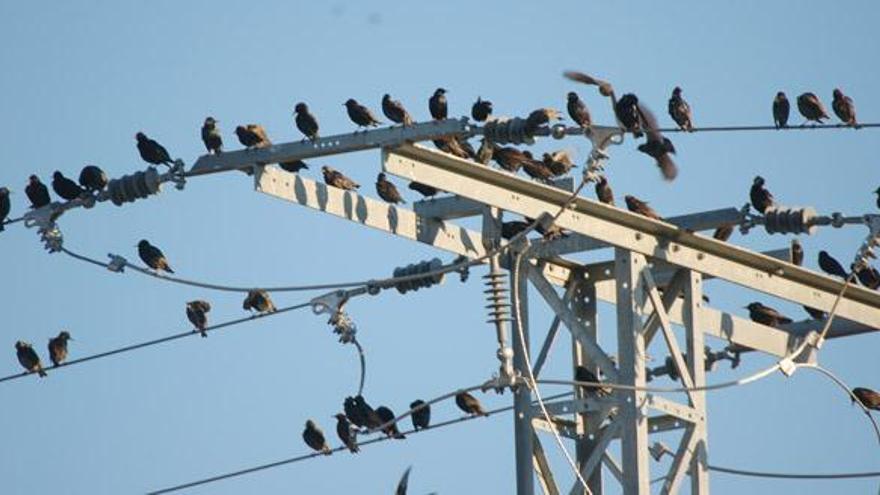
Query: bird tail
x=203 y=332
x=41 y=371
x=667 y=167
x=168 y=268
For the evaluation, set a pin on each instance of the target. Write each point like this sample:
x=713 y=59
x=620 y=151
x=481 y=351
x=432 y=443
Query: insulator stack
x=497 y=297
x=415 y=269
x=780 y=220
x=130 y=188
x=508 y=131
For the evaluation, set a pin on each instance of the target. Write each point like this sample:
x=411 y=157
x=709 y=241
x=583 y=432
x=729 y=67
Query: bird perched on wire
x=766 y=315
x=559 y=162
x=421 y=416
x=153 y=257
x=371 y=418
x=781 y=110
x=811 y=108
x=540 y=117
x=869 y=398
x=395 y=111
x=437 y=104
x=258 y=300
x=151 y=151
x=28 y=358
x=680 y=111
x=537 y=169
x=796 y=253
x=657 y=146
x=603 y=191
x=293 y=166
x=386 y=415
x=37 y=192
x=723 y=233
x=305 y=121
x=636 y=205
x=66 y=188
x=509 y=158
x=423 y=189
x=868 y=276
x=844 y=108
x=58 y=347
x=403 y=484
x=360 y=115
x=211 y=136
x=578 y=110
x=627 y=111
x=252 y=136
x=93 y=179
x=831 y=266
x=346 y=433
x=354 y=413
x=481 y=110
x=760 y=196
x=197 y=313
x=5 y=205
x=469 y=404
x=314 y=438
x=335 y=178
x=387 y=190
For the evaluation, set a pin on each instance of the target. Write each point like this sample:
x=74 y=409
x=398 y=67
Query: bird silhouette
x=211 y=136
x=5 y=206
x=360 y=115
x=603 y=191
x=657 y=146
x=811 y=108
x=766 y=315
x=37 y=192
x=395 y=111
x=93 y=179
x=293 y=166
x=423 y=189
x=252 y=136
x=151 y=151
x=559 y=162
x=153 y=257
x=723 y=233
x=831 y=266
x=335 y=178
x=437 y=104
x=868 y=276
x=58 y=347
x=354 y=412
x=781 y=110
x=869 y=398
x=197 y=313
x=844 y=108
x=636 y=205
x=258 y=300
x=387 y=190
x=346 y=433
x=314 y=438
x=403 y=484
x=66 y=188
x=760 y=196
x=469 y=404
x=540 y=117
x=680 y=111
x=305 y=121
x=421 y=417
x=627 y=112
x=386 y=415
x=481 y=110
x=578 y=110
x=28 y=358
x=796 y=253
x=509 y=158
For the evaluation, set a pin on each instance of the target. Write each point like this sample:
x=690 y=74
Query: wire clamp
x=117 y=263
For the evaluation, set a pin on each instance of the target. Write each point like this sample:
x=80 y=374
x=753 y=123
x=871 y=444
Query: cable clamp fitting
x=117 y=263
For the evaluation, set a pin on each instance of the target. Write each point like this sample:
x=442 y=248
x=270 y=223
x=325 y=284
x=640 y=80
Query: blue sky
x=81 y=78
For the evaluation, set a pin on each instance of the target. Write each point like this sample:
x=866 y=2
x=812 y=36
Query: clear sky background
x=81 y=78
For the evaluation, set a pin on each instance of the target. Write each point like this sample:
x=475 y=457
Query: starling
x=578 y=111
x=582 y=374
x=395 y=112
x=197 y=313
x=211 y=136
x=512 y=228
x=335 y=178
x=360 y=114
x=469 y=404
x=509 y=158
x=761 y=198
x=258 y=300
x=781 y=109
x=486 y=151
x=305 y=121
x=5 y=205
x=252 y=136
x=536 y=169
x=723 y=233
x=868 y=276
x=816 y=314
x=386 y=415
x=636 y=205
x=454 y=146
x=605 y=88
x=437 y=104
x=58 y=347
x=423 y=189
x=151 y=151
x=540 y=117
x=93 y=179
x=314 y=438
x=559 y=162
x=482 y=110
x=876 y=191
x=37 y=192
x=831 y=266
x=153 y=257
x=403 y=484
x=293 y=166
x=627 y=111
x=346 y=433
x=766 y=315
x=796 y=253
x=354 y=413
x=869 y=398
x=421 y=418
x=372 y=419
x=603 y=191
x=66 y=188
x=811 y=108
x=657 y=147
x=844 y=108
x=387 y=190
x=680 y=111
x=28 y=358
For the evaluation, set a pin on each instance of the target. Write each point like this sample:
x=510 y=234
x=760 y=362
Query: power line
x=738 y=128
x=795 y=476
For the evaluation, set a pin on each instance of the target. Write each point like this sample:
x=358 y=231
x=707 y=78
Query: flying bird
x=844 y=108
x=252 y=136
x=211 y=136
x=781 y=109
x=197 y=313
x=723 y=233
x=153 y=257
x=868 y=276
x=360 y=115
x=314 y=438
x=469 y=404
x=636 y=205
x=761 y=198
x=5 y=205
x=421 y=418
x=58 y=347
x=66 y=188
x=578 y=111
x=387 y=190
x=395 y=112
x=481 y=110
x=28 y=358
x=437 y=104
x=796 y=253
x=811 y=108
x=559 y=162
x=386 y=415
x=627 y=111
x=680 y=111
x=830 y=265
x=293 y=166
x=37 y=192
x=540 y=117
x=305 y=121
x=403 y=484
x=423 y=189
x=657 y=146
x=869 y=398
x=766 y=315
x=346 y=433
x=605 y=88
x=335 y=178
x=93 y=179
x=151 y=151
x=258 y=300
x=603 y=191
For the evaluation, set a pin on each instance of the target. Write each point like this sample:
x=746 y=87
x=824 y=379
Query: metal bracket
x=117 y=263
